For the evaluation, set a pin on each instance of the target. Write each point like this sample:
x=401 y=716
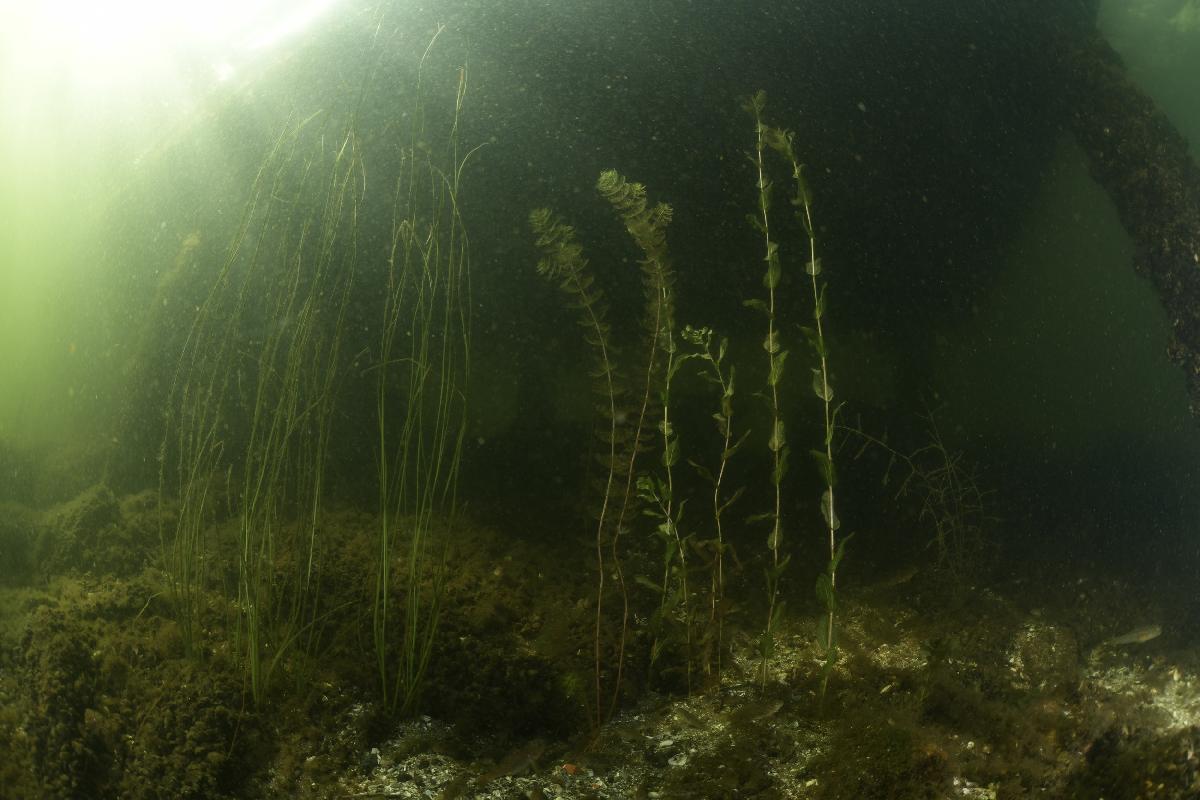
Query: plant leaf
x=733 y=498
x=821 y=387
x=771 y=342
x=671 y=452
x=828 y=511
x=776 y=373
x=780 y=470
x=825 y=465
x=757 y=305
x=824 y=589
x=778 y=438
x=827 y=638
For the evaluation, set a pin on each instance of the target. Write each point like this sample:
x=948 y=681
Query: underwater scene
x=600 y=399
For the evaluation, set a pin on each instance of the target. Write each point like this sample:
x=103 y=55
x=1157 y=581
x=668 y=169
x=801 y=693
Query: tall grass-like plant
x=292 y=398
x=252 y=404
x=289 y=249
x=421 y=377
x=190 y=458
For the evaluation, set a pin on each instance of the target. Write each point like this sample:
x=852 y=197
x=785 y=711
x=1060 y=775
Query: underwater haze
x=536 y=399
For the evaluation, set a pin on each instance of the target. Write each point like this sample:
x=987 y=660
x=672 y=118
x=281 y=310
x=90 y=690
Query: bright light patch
x=299 y=19
x=224 y=71
x=140 y=43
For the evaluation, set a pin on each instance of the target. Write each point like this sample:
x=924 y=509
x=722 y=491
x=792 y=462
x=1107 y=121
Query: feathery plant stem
x=647 y=226
x=563 y=261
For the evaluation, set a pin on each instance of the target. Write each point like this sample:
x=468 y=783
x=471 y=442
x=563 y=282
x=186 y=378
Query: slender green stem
x=777 y=442
x=714 y=371
x=783 y=142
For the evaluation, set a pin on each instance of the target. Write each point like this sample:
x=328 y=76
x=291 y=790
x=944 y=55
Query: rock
x=1044 y=657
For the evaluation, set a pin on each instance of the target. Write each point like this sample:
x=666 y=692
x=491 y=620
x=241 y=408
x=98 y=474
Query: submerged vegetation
x=782 y=142
x=422 y=363
x=252 y=408
x=626 y=393
x=672 y=622
x=303 y=606
x=777 y=356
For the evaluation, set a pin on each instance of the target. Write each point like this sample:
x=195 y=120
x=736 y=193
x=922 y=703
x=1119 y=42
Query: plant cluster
x=252 y=406
x=782 y=142
x=677 y=622
x=424 y=354
x=951 y=502
x=625 y=398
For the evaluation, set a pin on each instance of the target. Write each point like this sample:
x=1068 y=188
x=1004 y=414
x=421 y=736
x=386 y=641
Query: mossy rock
x=882 y=760
x=192 y=742
x=58 y=669
x=1125 y=764
x=1043 y=657
x=18 y=529
x=90 y=534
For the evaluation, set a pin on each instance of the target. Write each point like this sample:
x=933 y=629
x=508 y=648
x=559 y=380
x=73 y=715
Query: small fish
x=898 y=578
x=752 y=711
x=1136 y=636
x=688 y=718
x=518 y=762
x=456 y=788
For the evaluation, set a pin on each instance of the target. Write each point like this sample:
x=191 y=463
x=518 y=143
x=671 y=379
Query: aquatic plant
x=782 y=142
x=647 y=226
x=776 y=357
x=659 y=494
x=715 y=371
x=423 y=357
x=952 y=502
x=280 y=369
x=190 y=455
x=290 y=412
x=252 y=403
x=563 y=261
x=627 y=420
